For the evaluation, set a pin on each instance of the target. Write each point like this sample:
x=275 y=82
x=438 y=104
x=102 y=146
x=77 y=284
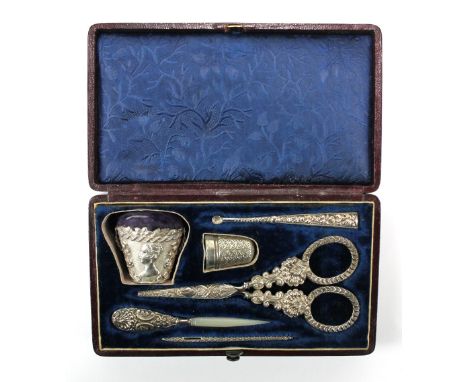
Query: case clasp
x=233 y=355
x=235 y=28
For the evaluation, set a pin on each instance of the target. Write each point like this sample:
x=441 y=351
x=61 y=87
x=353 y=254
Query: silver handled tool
x=135 y=319
x=331 y=219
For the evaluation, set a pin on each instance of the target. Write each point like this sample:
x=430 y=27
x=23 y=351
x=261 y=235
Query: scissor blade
x=208 y=292
x=224 y=322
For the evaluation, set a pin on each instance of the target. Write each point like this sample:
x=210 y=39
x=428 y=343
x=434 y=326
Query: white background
x=45 y=305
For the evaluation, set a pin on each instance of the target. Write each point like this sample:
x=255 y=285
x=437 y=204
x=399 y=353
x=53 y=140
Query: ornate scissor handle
x=294 y=271
x=342 y=276
x=333 y=290
x=295 y=303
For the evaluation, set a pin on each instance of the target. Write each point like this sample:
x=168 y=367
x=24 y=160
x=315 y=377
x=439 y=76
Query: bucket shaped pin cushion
x=151 y=243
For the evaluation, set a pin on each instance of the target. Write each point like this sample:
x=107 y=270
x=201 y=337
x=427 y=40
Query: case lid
x=241 y=109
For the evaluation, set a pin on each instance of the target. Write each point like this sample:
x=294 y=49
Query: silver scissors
x=292 y=272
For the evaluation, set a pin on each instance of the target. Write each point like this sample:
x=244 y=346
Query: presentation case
x=236 y=120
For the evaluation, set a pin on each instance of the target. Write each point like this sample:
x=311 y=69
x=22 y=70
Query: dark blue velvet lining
x=276 y=242
x=249 y=107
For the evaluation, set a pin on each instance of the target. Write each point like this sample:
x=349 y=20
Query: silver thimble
x=151 y=242
x=223 y=251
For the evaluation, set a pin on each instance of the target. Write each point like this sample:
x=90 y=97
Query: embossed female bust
x=149 y=253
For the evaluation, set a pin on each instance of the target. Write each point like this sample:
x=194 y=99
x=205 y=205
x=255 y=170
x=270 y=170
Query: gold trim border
x=185 y=349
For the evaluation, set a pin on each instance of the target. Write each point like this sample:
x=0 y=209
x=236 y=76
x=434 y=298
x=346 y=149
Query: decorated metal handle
x=295 y=303
x=329 y=219
x=295 y=271
x=134 y=319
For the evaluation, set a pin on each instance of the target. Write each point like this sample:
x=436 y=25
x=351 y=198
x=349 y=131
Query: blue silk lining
x=248 y=107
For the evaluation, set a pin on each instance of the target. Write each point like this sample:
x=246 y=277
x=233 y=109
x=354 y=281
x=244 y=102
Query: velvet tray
x=237 y=120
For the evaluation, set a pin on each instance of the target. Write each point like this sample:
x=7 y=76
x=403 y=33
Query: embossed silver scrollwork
x=295 y=303
x=134 y=319
x=214 y=291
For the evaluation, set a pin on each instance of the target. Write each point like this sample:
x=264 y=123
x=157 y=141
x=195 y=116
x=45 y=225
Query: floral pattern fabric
x=253 y=108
